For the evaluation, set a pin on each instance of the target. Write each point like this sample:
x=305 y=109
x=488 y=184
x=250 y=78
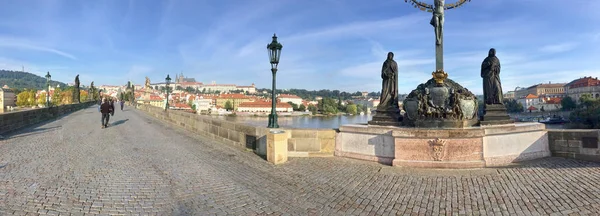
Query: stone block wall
x=12 y=121
x=311 y=140
x=576 y=144
x=251 y=137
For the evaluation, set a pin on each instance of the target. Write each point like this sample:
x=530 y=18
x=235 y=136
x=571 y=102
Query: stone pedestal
x=277 y=148
x=495 y=114
x=386 y=118
x=471 y=147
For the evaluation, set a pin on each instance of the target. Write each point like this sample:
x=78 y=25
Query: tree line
x=324 y=93
x=18 y=80
x=59 y=97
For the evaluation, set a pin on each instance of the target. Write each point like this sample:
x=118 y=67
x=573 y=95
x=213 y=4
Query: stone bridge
x=140 y=166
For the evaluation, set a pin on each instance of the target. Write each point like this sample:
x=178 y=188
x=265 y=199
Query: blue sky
x=327 y=44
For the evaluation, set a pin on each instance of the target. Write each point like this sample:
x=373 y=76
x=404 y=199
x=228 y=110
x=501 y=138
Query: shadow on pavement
x=30 y=131
x=119 y=122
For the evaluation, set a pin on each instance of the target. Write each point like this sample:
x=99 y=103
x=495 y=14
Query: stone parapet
x=576 y=144
x=11 y=121
x=299 y=142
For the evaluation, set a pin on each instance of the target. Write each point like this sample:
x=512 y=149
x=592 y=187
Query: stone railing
x=12 y=121
x=301 y=142
x=577 y=144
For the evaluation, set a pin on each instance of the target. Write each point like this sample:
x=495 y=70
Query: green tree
x=586 y=100
x=190 y=89
x=83 y=95
x=42 y=98
x=312 y=108
x=294 y=106
x=302 y=108
x=22 y=98
x=587 y=113
x=351 y=109
x=359 y=108
x=31 y=100
x=57 y=96
x=228 y=105
x=568 y=103
x=512 y=106
x=194 y=107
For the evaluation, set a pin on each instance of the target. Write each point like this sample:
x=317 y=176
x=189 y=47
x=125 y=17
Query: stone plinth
x=472 y=147
x=439 y=148
x=366 y=142
x=277 y=147
x=386 y=118
x=495 y=114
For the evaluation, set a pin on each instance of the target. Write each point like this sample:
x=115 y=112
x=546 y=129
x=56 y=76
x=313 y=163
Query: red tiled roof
x=584 y=82
x=288 y=96
x=155 y=98
x=555 y=100
x=190 y=83
x=181 y=105
x=263 y=104
x=219 y=85
x=531 y=96
x=233 y=96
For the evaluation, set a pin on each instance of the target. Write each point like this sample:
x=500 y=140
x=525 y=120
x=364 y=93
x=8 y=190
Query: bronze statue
x=76 y=90
x=93 y=91
x=388 y=111
x=490 y=72
x=437 y=20
x=389 y=89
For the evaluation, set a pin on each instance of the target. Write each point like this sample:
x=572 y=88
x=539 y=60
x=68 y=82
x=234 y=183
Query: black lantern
x=274 y=49
x=168 y=80
x=48 y=78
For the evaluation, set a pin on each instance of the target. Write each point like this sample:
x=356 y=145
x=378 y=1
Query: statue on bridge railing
x=76 y=90
x=91 y=96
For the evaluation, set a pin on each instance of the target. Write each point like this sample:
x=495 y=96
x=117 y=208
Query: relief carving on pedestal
x=437 y=148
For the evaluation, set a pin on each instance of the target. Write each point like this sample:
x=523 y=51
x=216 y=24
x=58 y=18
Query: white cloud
x=137 y=72
x=558 y=48
x=359 y=28
x=22 y=44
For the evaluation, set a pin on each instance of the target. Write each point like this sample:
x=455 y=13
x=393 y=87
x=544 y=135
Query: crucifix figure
x=437 y=21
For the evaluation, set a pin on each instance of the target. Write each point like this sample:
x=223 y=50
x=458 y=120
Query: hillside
x=21 y=80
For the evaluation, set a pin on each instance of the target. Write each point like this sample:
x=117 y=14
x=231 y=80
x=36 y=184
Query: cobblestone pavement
x=138 y=166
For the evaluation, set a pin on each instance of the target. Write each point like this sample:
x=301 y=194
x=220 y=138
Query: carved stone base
x=386 y=118
x=445 y=123
x=495 y=114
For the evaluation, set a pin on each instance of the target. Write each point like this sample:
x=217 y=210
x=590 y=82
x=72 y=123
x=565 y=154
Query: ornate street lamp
x=48 y=77
x=168 y=80
x=274 y=53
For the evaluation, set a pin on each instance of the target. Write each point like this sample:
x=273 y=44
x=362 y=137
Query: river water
x=303 y=121
x=317 y=121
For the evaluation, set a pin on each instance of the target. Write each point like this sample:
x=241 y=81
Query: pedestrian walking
x=112 y=107
x=105 y=110
x=122 y=104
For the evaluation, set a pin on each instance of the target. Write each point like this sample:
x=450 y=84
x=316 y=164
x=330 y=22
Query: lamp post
x=168 y=80
x=48 y=77
x=274 y=49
